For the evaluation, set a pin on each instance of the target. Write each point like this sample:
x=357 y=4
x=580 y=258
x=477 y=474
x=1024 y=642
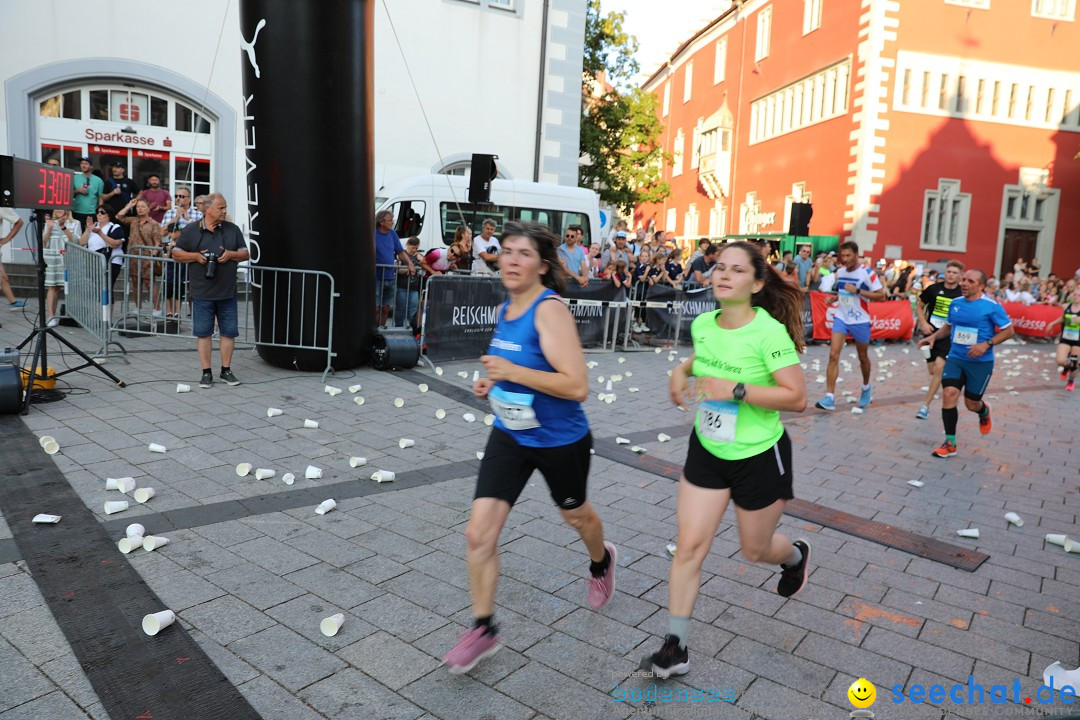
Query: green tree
x=621 y=155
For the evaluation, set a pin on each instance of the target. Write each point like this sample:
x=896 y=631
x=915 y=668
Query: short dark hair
x=849 y=245
x=705 y=241
x=576 y=228
x=712 y=250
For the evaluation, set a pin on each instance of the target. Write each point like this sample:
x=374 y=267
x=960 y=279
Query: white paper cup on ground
x=489 y=419
x=325 y=506
x=273 y=412
x=330 y=626
x=45 y=439
x=383 y=476
x=115 y=506
x=1056 y=539
x=288 y=478
x=638 y=449
x=663 y=437
x=264 y=474
x=916 y=483
x=153 y=542
x=143 y=495
x=1071 y=546
x=406 y=443
x=114 y=483
x=331 y=390
x=1014 y=519
x=475 y=375
x=440 y=414
x=969 y=533
x=51 y=447
x=357 y=461
x=399 y=402
x=469 y=417
x=438 y=371
x=132 y=542
x=156 y=448
x=243 y=469
x=156 y=622
x=480 y=455
x=135 y=529
x=359 y=400
x=45 y=519
x=182 y=388
x=422 y=387
x=125 y=485
x=464 y=375
x=354 y=388
x=311 y=424
x=621 y=441
x=313 y=473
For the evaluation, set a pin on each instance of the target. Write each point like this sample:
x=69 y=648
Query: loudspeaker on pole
x=800 y=219
x=482 y=172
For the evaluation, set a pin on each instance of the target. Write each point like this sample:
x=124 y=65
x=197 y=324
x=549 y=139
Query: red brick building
x=922 y=129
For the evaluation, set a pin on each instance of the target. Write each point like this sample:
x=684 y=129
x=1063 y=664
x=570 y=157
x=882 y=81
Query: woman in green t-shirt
x=746 y=370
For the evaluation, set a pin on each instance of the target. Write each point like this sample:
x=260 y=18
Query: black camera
x=211 y=264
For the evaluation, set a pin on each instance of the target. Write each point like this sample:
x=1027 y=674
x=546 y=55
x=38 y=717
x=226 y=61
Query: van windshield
x=454 y=214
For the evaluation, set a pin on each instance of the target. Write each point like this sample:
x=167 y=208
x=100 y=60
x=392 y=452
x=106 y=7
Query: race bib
x=965 y=335
x=849 y=303
x=936 y=321
x=716 y=420
x=513 y=409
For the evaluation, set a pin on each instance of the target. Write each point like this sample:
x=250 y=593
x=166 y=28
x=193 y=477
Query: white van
x=432 y=207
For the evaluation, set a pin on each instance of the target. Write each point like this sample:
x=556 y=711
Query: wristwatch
x=739 y=392
x=990 y=342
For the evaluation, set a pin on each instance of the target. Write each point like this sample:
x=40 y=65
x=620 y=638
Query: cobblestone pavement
x=251 y=569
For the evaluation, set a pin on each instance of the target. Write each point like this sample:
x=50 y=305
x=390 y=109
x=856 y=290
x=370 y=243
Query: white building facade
x=162 y=91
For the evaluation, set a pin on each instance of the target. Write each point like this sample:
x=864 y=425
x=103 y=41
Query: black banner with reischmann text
x=460 y=314
x=681 y=309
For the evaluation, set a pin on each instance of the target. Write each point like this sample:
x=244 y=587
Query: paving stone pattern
x=252 y=589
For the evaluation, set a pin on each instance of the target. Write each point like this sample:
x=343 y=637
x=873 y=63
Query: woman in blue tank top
x=536 y=381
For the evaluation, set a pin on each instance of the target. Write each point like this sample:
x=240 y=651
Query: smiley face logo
x=862 y=693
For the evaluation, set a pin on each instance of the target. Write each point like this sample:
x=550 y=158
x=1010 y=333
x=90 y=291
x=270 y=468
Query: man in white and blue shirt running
x=976 y=323
x=856 y=286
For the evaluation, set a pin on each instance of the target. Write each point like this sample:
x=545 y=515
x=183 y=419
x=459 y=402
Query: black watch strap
x=739 y=392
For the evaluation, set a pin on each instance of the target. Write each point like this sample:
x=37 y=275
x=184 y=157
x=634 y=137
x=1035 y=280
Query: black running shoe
x=229 y=378
x=207 y=379
x=670 y=660
x=793 y=579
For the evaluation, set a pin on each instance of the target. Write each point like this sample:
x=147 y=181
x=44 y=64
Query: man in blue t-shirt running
x=975 y=324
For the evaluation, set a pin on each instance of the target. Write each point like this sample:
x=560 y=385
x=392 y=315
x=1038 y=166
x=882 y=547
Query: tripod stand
x=39 y=336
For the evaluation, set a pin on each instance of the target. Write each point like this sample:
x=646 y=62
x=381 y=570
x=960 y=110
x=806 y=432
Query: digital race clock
x=34 y=186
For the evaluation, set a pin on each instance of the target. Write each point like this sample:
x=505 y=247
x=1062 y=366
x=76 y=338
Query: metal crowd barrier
x=277 y=307
x=404 y=301
x=86 y=292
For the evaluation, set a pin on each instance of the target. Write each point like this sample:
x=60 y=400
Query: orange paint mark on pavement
x=1053 y=609
x=958 y=623
x=864 y=612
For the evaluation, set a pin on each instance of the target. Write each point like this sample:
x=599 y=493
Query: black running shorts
x=507 y=466
x=755 y=482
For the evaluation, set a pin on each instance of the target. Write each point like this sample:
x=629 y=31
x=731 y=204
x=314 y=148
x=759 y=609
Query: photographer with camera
x=217 y=245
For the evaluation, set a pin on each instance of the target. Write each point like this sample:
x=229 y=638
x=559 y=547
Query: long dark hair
x=778 y=297
x=545 y=242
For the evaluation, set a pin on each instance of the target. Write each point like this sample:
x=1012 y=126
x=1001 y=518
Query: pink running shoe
x=602 y=588
x=474 y=646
